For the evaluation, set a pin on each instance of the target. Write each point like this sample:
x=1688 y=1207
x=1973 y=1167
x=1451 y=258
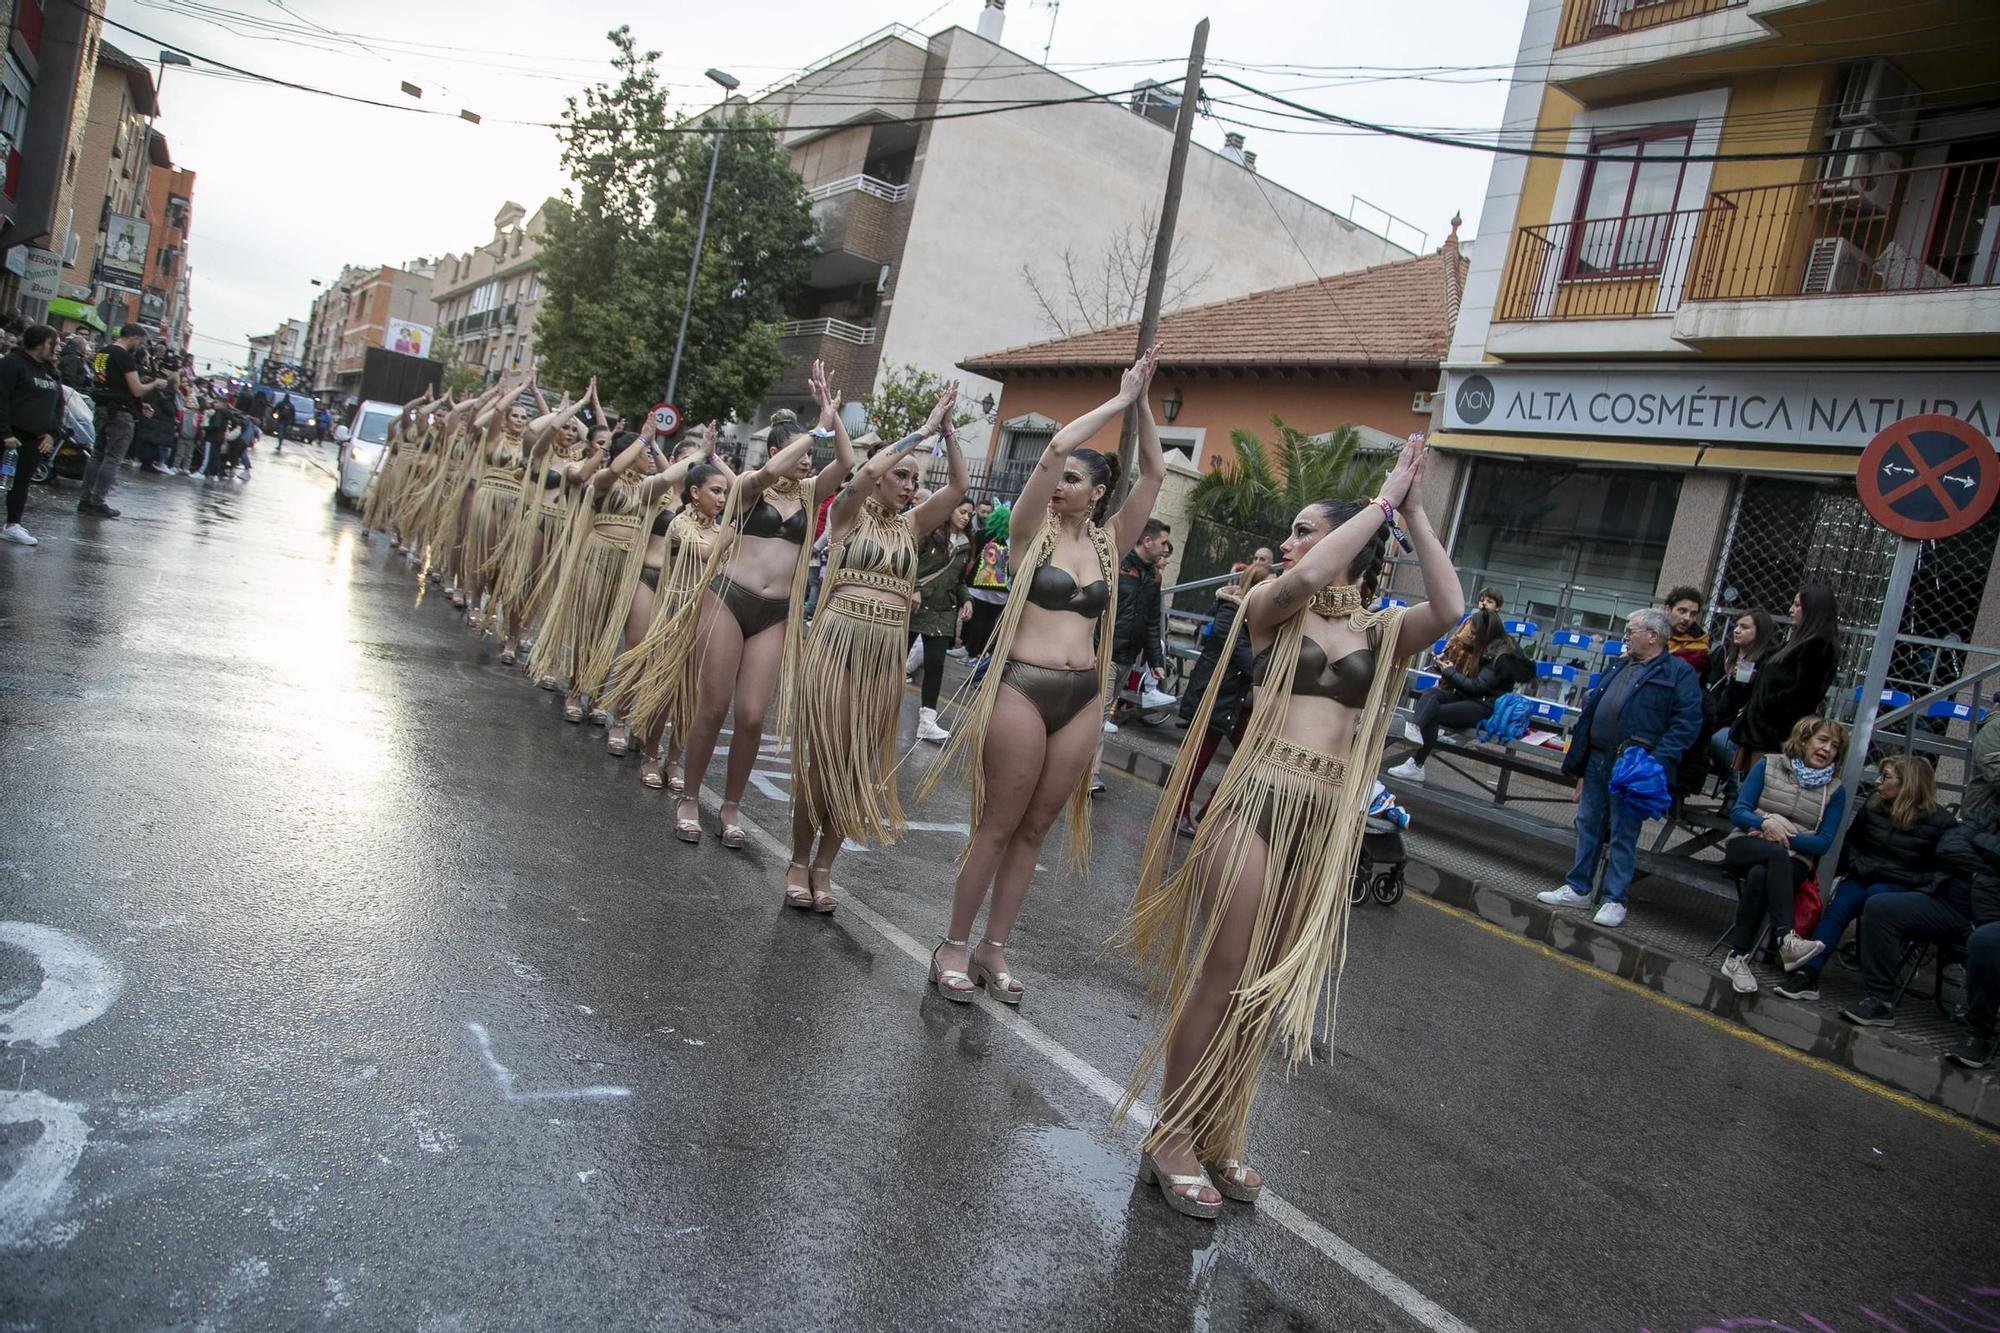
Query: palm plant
x=1259 y=489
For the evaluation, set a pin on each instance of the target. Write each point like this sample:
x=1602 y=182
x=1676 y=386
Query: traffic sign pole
x=1894 y=599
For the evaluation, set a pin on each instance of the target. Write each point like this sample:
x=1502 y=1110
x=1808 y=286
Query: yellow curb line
x=1737 y=1030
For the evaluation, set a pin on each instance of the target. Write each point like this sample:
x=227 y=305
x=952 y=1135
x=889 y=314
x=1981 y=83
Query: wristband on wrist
x=822 y=432
x=1395 y=529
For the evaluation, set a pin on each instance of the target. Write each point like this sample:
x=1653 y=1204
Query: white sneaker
x=1795 y=952
x=1565 y=896
x=927 y=727
x=18 y=535
x=1152 y=698
x=1737 y=968
x=1110 y=727
x=1409 y=771
x=1411 y=734
x=1611 y=914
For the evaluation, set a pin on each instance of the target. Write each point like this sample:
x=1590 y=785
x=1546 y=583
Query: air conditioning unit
x=1836 y=264
x=1861 y=171
x=1422 y=402
x=1875 y=95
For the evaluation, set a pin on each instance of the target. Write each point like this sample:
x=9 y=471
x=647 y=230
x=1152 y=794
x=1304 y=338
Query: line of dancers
x=666 y=593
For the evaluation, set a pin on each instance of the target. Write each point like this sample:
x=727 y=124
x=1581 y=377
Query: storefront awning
x=1628 y=452
x=62 y=307
x=1813 y=462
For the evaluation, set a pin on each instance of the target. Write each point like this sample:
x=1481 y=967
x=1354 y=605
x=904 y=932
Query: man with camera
x=120 y=393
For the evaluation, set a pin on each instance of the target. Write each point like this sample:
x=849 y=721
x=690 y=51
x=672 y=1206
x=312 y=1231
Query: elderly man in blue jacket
x=1651 y=699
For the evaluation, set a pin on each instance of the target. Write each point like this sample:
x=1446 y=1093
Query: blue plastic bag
x=1639 y=784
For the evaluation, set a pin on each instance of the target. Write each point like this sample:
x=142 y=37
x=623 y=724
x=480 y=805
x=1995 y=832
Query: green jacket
x=941 y=585
x=1982 y=778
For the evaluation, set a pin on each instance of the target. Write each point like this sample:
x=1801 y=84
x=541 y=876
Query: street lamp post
x=729 y=84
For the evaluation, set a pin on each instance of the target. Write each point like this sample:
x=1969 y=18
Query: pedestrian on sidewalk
x=1651 y=700
x=1964 y=896
x=1790 y=806
x=1689 y=641
x=187 y=434
x=1982 y=775
x=1482 y=664
x=941 y=608
x=1892 y=847
x=1139 y=637
x=1230 y=714
x=120 y=391
x=988 y=592
x=31 y=404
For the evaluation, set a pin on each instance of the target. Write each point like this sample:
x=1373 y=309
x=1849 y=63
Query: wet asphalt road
x=347 y=986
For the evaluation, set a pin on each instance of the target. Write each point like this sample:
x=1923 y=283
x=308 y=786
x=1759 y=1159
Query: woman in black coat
x=1792 y=682
x=1231 y=713
x=1482 y=664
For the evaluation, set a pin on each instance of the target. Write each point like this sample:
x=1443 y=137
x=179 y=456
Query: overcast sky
x=291 y=185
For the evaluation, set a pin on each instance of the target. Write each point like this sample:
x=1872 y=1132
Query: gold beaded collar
x=1336 y=603
x=784 y=486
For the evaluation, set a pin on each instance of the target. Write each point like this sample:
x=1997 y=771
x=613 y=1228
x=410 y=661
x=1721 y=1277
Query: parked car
x=367 y=433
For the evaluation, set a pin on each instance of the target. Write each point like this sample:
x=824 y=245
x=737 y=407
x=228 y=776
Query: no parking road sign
x=1928 y=477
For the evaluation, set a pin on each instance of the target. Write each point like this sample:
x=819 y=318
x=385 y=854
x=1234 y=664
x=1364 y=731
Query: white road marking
x=1419 y=1307
x=45 y=1164
x=77 y=985
x=504 y=1077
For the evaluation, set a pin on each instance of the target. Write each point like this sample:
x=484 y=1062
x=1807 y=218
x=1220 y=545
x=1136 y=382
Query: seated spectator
x=1488 y=600
x=1965 y=894
x=1892 y=847
x=1690 y=640
x=1729 y=679
x=1982 y=999
x=1231 y=713
x=1480 y=664
x=1790 y=806
x=1982 y=777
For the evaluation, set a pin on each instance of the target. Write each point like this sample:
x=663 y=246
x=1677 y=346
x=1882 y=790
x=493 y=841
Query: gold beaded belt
x=497 y=479
x=869 y=578
x=867 y=608
x=1307 y=763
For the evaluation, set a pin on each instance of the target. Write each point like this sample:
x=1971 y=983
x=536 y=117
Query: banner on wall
x=407 y=338
x=125 y=247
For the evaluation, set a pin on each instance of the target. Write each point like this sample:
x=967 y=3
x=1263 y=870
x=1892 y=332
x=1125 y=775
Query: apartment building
x=1759 y=232
x=46 y=78
x=324 y=324
x=487 y=298
x=926 y=228
x=119 y=151
x=170 y=212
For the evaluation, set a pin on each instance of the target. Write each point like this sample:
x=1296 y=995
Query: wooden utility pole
x=1163 y=239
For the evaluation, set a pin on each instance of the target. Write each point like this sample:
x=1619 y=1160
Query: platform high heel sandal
x=1000 y=984
x=1234 y=1180
x=798 y=895
x=951 y=983
x=1190 y=1204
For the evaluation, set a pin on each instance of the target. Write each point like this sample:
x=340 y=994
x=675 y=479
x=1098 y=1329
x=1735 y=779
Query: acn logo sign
x=1474 y=399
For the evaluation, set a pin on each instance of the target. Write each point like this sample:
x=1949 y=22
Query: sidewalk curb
x=1870 y=1052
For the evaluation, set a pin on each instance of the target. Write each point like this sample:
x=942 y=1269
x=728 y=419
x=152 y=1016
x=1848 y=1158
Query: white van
x=367 y=436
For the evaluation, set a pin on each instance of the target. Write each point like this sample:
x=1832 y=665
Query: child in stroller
x=1378 y=871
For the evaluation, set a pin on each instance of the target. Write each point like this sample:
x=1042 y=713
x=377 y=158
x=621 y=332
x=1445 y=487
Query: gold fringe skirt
x=654 y=680
x=524 y=584
x=1289 y=802
x=849 y=701
x=584 y=626
x=381 y=499
x=412 y=514
x=492 y=516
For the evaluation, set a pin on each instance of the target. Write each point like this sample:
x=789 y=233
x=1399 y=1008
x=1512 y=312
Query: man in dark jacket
x=1650 y=700
x=1963 y=903
x=30 y=415
x=73 y=364
x=1138 y=636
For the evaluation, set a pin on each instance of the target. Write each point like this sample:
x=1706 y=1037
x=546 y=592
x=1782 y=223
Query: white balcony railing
x=861 y=335
x=894 y=194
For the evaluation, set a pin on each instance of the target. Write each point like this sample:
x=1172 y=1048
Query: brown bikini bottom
x=1058 y=693
x=754 y=612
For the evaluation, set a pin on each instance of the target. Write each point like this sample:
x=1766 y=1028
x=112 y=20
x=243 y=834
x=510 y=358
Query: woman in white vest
x=1789 y=807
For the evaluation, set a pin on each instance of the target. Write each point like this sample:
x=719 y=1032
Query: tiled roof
x=1393 y=314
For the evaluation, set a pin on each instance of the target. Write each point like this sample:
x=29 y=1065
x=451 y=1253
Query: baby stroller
x=1378 y=871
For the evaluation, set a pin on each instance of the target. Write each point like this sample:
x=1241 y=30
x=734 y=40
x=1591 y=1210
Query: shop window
x=1626 y=204
x=1578 y=546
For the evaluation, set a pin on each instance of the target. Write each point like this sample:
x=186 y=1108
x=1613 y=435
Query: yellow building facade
x=1738 y=239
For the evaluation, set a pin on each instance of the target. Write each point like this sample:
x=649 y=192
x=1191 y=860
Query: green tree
x=903 y=399
x=615 y=259
x=462 y=377
x=1261 y=488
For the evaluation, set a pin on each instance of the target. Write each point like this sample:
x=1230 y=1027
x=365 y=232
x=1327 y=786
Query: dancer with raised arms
x=1247 y=933
x=1034 y=726
x=741 y=636
x=529 y=563
x=850 y=685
